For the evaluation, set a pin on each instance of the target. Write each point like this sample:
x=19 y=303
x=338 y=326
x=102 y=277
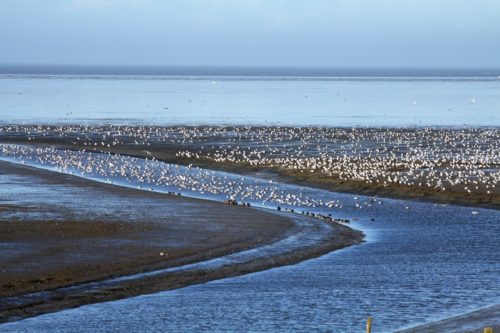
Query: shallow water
x=422 y=261
x=152 y=175
x=250 y=100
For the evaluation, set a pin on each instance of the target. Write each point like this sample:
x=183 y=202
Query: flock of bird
x=153 y=175
x=442 y=159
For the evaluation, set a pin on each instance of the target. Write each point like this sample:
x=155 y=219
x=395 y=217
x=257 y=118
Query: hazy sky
x=334 y=33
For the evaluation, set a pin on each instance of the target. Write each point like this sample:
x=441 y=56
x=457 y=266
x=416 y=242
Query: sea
x=420 y=262
x=283 y=97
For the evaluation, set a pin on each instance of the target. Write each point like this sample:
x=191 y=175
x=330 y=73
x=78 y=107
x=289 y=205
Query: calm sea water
x=375 y=101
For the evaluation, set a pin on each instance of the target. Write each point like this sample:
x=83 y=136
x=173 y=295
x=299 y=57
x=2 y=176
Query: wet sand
x=57 y=230
x=472 y=322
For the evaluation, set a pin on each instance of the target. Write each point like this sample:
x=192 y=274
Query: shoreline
x=49 y=294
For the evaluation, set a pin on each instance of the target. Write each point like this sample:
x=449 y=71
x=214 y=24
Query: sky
x=287 y=33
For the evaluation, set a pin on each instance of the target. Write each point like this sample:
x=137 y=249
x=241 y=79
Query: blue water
x=421 y=262
x=376 y=101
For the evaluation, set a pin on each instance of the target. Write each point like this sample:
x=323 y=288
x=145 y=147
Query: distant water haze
x=259 y=96
x=254 y=71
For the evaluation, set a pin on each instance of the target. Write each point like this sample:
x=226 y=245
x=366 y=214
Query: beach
x=249 y=166
x=59 y=230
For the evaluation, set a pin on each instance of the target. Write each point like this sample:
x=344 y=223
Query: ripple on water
x=420 y=264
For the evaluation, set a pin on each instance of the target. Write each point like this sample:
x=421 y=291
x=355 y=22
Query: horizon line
x=244 y=70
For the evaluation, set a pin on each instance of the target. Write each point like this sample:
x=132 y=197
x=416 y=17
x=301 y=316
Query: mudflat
x=57 y=230
x=420 y=164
